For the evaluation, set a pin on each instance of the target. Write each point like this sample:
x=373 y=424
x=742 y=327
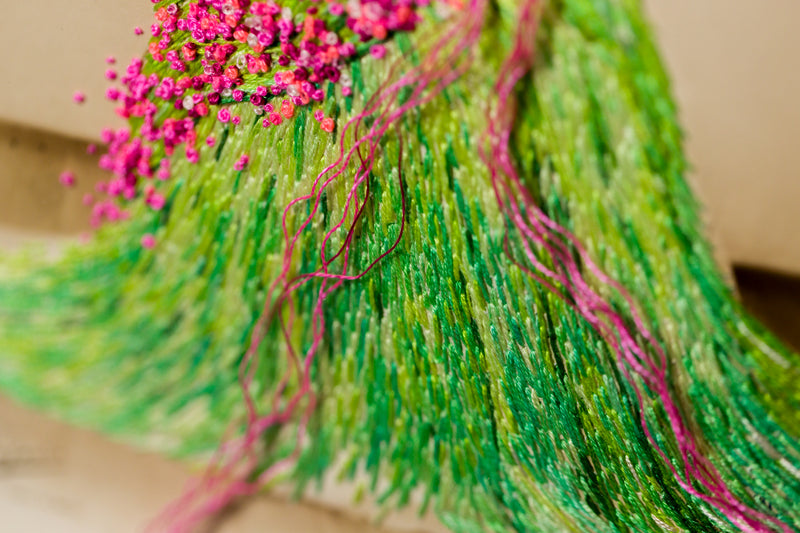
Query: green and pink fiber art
x=444 y=249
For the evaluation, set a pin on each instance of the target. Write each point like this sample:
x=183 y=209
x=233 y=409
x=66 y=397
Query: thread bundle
x=469 y=341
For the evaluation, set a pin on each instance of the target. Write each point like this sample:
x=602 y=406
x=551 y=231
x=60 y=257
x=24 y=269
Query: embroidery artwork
x=441 y=251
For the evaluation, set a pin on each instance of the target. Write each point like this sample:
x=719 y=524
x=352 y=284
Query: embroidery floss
x=441 y=249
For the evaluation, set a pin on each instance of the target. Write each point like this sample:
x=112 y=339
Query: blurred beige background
x=735 y=68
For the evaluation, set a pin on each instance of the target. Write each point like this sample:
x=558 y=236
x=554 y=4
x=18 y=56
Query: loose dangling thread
x=537 y=229
x=222 y=484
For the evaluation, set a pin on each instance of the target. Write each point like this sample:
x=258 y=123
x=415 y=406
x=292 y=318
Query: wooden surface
x=59 y=479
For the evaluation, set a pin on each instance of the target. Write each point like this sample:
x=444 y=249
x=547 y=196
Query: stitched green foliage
x=447 y=377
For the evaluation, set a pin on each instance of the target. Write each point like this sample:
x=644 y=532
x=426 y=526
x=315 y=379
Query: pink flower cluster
x=220 y=52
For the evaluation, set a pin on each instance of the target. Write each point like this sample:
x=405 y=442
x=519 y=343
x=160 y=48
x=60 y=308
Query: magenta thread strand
x=256 y=425
x=545 y=233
